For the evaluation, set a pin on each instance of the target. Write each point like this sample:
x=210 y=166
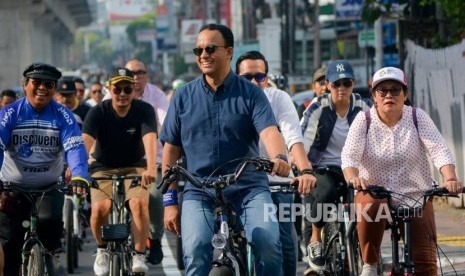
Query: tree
x=143 y=49
x=422 y=13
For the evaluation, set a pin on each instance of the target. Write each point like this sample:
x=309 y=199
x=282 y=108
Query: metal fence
x=437 y=83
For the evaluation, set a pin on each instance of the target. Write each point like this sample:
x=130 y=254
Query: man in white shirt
x=254 y=67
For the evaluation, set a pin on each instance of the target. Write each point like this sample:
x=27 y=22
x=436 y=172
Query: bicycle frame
x=341 y=237
x=31 y=239
x=404 y=215
x=229 y=242
x=30 y=258
x=117 y=233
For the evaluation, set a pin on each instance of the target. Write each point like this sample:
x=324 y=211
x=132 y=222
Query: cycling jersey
x=32 y=144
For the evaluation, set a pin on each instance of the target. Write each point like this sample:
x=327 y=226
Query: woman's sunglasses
x=346 y=83
x=395 y=91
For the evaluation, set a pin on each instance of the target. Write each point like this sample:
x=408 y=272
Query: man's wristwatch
x=282 y=157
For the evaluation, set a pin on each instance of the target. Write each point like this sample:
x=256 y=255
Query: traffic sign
x=366 y=39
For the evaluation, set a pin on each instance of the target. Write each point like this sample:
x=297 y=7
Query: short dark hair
x=78 y=79
x=254 y=55
x=226 y=32
x=8 y=92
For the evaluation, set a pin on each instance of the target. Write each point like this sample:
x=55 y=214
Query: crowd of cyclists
x=127 y=126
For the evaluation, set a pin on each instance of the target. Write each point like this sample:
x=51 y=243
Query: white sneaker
x=101 y=264
x=369 y=270
x=138 y=264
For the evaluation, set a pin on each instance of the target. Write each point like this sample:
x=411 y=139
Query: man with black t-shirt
x=123 y=130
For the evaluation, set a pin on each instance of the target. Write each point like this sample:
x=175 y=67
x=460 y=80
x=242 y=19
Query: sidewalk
x=450 y=226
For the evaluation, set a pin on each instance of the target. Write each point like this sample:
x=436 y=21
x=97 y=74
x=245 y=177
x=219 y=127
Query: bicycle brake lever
x=94 y=184
x=265 y=165
x=169 y=177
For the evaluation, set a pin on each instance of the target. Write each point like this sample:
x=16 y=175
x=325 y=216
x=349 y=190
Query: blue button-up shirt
x=213 y=128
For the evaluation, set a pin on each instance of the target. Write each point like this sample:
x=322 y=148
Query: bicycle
x=117 y=233
x=229 y=242
x=33 y=252
x=75 y=222
x=339 y=238
x=404 y=214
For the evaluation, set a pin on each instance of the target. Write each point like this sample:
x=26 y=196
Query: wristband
x=282 y=157
x=307 y=171
x=170 y=198
x=451 y=179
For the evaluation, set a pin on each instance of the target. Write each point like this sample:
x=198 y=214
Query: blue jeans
x=198 y=222
x=286 y=232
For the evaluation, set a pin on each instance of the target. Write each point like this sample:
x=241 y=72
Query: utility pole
x=291 y=41
x=316 y=40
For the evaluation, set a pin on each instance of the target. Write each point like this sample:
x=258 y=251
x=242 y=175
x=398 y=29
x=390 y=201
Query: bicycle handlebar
x=13 y=186
x=261 y=164
x=135 y=180
x=378 y=191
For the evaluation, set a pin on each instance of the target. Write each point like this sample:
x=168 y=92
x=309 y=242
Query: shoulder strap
x=414 y=115
x=368 y=120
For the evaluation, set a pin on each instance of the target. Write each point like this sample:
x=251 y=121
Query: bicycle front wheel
x=115 y=266
x=332 y=247
x=70 y=243
x=34 y=264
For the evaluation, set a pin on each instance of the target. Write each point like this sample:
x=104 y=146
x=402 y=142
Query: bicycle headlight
x=26 y=223
x=219 y=241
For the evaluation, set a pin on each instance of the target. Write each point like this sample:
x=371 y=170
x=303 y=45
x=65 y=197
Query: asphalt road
x=450 y=224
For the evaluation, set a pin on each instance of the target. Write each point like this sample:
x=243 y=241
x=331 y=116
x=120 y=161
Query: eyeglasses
x=346 y=83
x=47 y=83
x=259 y=77
x=140 y=73
x=210 y=49
x=127 y=90
x=395 y=91
x=96 y=91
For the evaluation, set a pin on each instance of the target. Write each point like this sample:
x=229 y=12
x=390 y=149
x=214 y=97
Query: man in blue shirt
x=212 y=120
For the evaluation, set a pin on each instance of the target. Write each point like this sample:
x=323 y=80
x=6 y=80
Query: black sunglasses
x=347 y=83
x=210 y=49
x=96 y=91
x=395 y=91
x=140 y=73
x=127 y=90
x=259 y=77
x=47 y=83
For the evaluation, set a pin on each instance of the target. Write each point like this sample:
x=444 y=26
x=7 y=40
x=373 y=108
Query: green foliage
x=180 y=67
x=453 y=10
x=144 y=22
x=373 y=9
x=100 y=50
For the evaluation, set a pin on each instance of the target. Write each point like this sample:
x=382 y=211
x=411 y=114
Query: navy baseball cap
x=339 y=69
x=42 y=71
x=66 y=86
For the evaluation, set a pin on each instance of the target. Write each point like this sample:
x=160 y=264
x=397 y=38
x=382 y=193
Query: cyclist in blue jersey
x=36 y=134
